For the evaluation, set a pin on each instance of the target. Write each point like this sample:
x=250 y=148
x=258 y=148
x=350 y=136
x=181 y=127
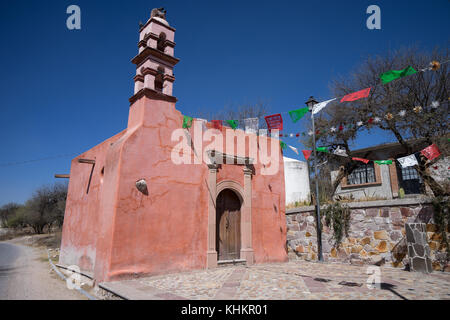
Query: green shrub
x=441 y=206
x=337 y=217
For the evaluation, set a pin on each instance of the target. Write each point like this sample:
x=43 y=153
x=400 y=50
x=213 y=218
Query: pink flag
x=217 y=124
x=361 y=159
x=306 y=154
x=274 y=122
x=431 y=152
x=357 y=95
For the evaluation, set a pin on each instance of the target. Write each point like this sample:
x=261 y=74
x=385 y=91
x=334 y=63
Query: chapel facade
x=134 y=209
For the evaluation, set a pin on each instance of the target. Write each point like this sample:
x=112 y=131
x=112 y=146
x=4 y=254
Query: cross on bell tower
x=155 y=61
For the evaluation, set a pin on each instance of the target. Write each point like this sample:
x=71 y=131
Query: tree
x=17 y=219
x=404 y=107
x=45 y=207
x=7 y=211
x=255 y=110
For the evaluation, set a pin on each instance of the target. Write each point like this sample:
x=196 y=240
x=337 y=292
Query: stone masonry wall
x=376 y=227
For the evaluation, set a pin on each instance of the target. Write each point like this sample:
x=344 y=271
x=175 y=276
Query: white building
x=296 y=179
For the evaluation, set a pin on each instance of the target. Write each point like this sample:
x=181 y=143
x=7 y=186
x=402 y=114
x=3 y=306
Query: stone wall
x=418 y=248
x=377 y=231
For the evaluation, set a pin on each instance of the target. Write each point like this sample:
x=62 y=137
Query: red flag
x=341 y=127
x=357 y=95
x=370 y=120
x=306 y=154
x=361 y=159
x=274 y=122
x=431 y=152
x=217 y=124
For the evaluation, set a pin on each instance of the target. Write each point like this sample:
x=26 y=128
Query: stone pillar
x=394 y=179
x=149 y=81
x=211 y=254
x=168 y=87
x=246 y=219
x=138 y=83
x=418 y=249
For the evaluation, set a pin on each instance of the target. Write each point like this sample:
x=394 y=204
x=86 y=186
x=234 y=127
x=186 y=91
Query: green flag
x=187 y=122
x=298 y=114
x=383 y=161
x=233 y=123
x=396 y=74
x=323 y=149
x=283 y=145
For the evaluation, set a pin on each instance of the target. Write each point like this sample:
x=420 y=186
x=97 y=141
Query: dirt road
x=26 y=274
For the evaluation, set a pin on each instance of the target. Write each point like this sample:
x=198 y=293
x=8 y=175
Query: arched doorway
x=228 y=225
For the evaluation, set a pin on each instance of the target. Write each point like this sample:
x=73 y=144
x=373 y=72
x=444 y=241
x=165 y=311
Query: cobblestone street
x=295 y=280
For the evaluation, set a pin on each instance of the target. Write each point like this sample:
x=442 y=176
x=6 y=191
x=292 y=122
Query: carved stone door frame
x=245 y=195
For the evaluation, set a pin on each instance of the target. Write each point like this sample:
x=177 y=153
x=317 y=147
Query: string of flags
x=275 y=121
x=356 y=124
x=431 y=152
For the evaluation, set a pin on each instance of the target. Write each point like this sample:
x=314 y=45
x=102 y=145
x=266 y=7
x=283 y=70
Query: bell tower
x=155 y=61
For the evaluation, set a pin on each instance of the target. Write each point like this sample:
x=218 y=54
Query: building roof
x=393 y=149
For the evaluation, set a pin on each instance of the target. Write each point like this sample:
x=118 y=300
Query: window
x=161 y=44
x=159 y=79
x=364 y=173
x=409 y=173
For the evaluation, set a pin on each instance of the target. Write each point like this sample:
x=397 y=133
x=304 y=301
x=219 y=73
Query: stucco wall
x=296 y=178
x=81 y=217
x=382 y=190
x=439 y=171
x=165 y=231
x=375 y=228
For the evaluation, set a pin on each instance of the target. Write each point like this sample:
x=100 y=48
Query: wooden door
x=228 y=225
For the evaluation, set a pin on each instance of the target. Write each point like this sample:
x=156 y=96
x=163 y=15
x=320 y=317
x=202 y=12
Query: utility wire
x=9 y=164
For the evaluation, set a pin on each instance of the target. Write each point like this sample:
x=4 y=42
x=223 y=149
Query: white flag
x=340 y=152
x=251 y=125
x=293 y=149
x=321 y=105
x=435 y=104
x=408 y=161
x=203 y=121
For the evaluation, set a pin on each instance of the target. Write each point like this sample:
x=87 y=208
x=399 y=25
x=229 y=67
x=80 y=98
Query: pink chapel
x=134 y=209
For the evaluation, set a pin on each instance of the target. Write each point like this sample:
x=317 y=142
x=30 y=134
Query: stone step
x=235 y=262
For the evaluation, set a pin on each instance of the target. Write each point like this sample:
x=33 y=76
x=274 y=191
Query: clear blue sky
x=63 y=92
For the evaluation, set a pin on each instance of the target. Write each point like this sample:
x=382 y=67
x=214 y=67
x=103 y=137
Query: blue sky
x=63 y=92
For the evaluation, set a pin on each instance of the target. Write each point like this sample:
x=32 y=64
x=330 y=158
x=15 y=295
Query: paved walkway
x=296 y=280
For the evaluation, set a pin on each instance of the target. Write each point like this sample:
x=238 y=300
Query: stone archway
x=245 y=196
